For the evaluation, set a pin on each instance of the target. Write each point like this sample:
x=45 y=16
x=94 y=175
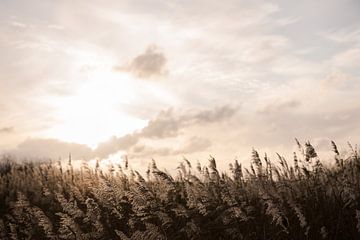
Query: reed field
x=299 y=198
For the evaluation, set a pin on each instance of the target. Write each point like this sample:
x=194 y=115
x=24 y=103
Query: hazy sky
x=166 y=79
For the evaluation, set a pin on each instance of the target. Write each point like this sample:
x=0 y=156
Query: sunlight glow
x=94 y=113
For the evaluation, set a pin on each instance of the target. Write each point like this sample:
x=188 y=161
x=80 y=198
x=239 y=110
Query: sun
x=93 y=113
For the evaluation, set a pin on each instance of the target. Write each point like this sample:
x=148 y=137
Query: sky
x=171 y=79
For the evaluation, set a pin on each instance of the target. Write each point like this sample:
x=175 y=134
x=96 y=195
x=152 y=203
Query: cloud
x=344 y=35
x=149 y=152
x=191 y=145
x=7 y=130
x=215 y=115
x=347 y=58
x=167 y=124
x=149 y=64
x=258 y=49
x=18 y=24
x=164 y=125
x=287 y=21
x=51 y=148
x=194 y=144
x=218 y=53
x=334 y=80
x=313 y=120
x=280 y=106
x=115 y=144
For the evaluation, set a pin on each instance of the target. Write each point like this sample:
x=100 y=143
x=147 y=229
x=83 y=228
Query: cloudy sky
x=167 y=79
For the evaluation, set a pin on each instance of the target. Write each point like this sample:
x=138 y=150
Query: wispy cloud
x=287 y=21
x=343 y=35
x=348 y=58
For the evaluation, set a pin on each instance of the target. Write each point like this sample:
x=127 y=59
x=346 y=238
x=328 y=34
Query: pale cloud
x=280 y=106
x=258 y=49
x=295 y=66
x=149 y=152
x=344 y=35
x=334 y=80
x=56 y=27
x=287 y=21
x=18 y=24
x=190 y=146
x=194 y=144
x=347 y=58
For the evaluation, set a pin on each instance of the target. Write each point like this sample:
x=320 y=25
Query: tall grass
x=301 y=199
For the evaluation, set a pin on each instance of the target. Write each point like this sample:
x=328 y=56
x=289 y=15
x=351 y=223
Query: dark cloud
x=7 y=130
x=149 y=64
